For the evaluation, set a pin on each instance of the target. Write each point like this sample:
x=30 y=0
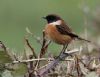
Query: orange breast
x=52 y=33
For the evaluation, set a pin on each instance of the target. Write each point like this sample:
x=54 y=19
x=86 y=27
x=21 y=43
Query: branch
x=41 y=59
x=42 y=72
x=77 y=66
x=32 y=49
x=44 y=46
x=31 y=60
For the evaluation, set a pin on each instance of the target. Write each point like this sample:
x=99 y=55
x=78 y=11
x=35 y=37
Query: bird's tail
x=93 y=43
x=83 y=39
x=78 y=37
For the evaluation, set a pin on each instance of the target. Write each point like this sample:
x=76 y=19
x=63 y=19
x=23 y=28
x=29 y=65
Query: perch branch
x=62 y=56
x=41 y=59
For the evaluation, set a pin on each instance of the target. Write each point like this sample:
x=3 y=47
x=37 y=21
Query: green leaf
x=2 y=68
x=19 y=70
x=4 y=57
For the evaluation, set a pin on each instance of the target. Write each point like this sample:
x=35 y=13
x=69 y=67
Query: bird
x=58 y=31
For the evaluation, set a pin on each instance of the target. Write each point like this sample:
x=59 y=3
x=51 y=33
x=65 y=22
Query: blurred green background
x=16 y=15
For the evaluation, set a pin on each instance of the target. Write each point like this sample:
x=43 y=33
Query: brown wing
x=67 y=28
x=63 y=29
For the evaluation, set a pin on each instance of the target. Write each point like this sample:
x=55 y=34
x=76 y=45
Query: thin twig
x=32 y=49
x=77 y=66
x=42 y=51
x=31 y=67
x=62 y=56
x=44 y=46
x=41 y=59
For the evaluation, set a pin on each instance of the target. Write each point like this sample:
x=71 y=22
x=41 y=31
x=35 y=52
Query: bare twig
x=42 y=51
x=32 y=49
x=62 y=56
x=44 y=46
x=38 y=39
x=31 y=67
x=78 y=67
x=31 y=60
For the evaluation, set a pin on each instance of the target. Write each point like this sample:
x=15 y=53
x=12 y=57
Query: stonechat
x=58 y=31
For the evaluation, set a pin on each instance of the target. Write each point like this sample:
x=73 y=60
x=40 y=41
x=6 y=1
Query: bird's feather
x=65 y=30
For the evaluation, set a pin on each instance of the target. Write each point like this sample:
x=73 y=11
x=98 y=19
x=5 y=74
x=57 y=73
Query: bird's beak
x=44 y=17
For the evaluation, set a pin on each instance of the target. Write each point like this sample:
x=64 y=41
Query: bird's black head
x=52 y=18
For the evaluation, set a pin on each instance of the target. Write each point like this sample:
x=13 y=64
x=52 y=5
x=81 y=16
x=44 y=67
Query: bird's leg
x=49 y=41
x=63 y=50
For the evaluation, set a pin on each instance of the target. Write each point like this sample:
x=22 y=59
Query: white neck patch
x=56 y=22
